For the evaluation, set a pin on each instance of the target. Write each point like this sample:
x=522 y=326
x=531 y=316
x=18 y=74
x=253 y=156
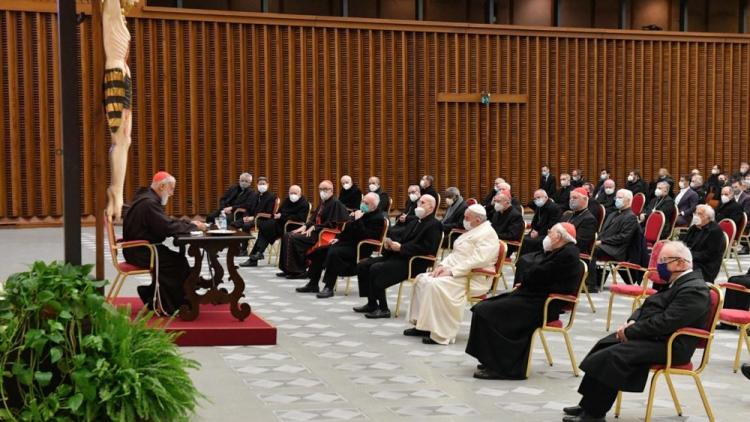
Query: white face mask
x=413 y=197
x=540 y=202
x=449 y=201
x=715 y=171
x=609 y=191
x=696 y=221
x=545 y=173
x=293 y=197
x=347 y=186
x=603 y=177
x=373 y=187
x=564 y=183
x=499 y=207
x=659 y=192
x=420 y=212
x=725 y=199
x=422 y=184
x=262 y=188
x=164 y=199
x=631 y=178
x=324 y=195
x=547 y=244
x=467 y=225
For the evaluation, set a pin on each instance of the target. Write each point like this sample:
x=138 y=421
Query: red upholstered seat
x=629 y=289
x=555 y=324
x=687 y=366
x=127 y=267
x=737 y=316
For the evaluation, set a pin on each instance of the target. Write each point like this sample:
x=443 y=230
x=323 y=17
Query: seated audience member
x=742 y=197
x=145 y=219
x=507 y=221
x=743 y=172
x=490 y=198
x=661 y=202
x=454 y=214
x=714 y=181
x=294 y=208
x=686 y=201
x=562 y=196
x=329 y=214
x=576 y=178
x=547 y=182
x=606 y=196
x=603 y=177
x=696 y=184
x=263 y=203
x=594 y=207
x=373 y=185
x=617 y=234
x=407 y=214
x=502 y=344
x=622 y=360
x=375 y=275
x=505 y=189
x=350 y=194
x=662 y=176
x=438 y=297
x=426 y=186
x=546 y=215
x=581 y=218
x=729 y=208
x=636 y=184
x=705 y=239
x=233 y=198
x=339 y=257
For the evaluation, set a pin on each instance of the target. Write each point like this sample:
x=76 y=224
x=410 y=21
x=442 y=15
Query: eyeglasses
x=669 y=259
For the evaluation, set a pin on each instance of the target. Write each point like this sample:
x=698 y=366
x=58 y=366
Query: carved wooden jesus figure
x=117 y=97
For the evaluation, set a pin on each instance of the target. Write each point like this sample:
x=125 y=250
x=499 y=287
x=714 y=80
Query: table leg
x=239 y=310
x=189 y=311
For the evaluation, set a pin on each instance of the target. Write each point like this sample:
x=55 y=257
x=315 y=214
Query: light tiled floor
x=331 y=364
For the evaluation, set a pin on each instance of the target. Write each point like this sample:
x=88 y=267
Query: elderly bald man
x=330 y=213
x=407 y=213
x=438 y=298
x=506 y=220
x=706 y=242
x=339 y=257
x=350 y=194
x=606 y=196
x=377 y=274
x=489 y=199
x=546 y=215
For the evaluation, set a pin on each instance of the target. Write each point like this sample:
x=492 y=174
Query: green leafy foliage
x=67 y=355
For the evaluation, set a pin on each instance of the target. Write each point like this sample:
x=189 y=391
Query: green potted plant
x=67 y=355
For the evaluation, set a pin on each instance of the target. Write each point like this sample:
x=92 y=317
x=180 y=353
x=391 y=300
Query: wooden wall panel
x=300 y=100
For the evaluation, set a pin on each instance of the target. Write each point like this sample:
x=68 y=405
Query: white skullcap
x=477 y=209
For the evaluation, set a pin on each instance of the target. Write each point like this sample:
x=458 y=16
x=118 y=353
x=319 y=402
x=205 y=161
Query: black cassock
x=145 y=219
x=351 y=197
x=612 y=366
x=270 y=229
x=397 y=230
x=707 y=245
x=329 y=214
x=501 y=327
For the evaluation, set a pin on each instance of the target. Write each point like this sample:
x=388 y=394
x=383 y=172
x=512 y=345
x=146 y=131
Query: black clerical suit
x=664 y=204
x=351 y=198
x=339 y=259
x=731 y=210
x=544 y=218
x=508 y=225
x=329 y=214
x=652 y=187
x=487 y=203
x=617 y=235
x=261 y=203
x=234 y=197
x=707 y=245
x=503 y=344
x=608 y=201
x=639 y=186
x=429 y=190
x=374 y=275
x=612 y=366
x=271 y=229
x=454 y=219
x=145 y=219
x=548 y=184
x=397 y=230
x=586 y=228
x=385 y=201
x=562 y=198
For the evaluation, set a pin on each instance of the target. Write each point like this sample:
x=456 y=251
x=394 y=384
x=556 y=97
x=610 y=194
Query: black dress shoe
x=489 y=374
x=308 y=288
x=243 y=252
x=326 y=293
x=413 y=332
x=573 y=410
x=281 y=274
x=366 y=308
x=378 y=313
x=427 y=340
x=257 y=256
x=592 y=289
x=746 y=370
x=297 y=276
x=249 y=263
x=583 y=417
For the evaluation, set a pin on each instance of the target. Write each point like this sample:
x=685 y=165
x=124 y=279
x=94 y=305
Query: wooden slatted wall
x=298 y=99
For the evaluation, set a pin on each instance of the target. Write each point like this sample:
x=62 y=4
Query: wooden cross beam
x=476 y=97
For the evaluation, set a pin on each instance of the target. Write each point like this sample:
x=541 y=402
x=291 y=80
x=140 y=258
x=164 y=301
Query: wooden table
x=212 y=245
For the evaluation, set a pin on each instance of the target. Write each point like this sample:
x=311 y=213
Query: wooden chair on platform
x=125 y=269
x=669 y=368
x=557 y=326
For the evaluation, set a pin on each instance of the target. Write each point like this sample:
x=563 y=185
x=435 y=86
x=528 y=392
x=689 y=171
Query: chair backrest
x=501 y=254
x=602 y=216
x=741 y=228
x=384 y=233
x=584 y=275
x=673 y=218
x=717 y=302
x=727 y=246
x=639 y=199
x=276 y=205
x=729 y=228
x=652 y=274
x=654 y=227
x=309 y=211
x=390 y=205
x=470 y=202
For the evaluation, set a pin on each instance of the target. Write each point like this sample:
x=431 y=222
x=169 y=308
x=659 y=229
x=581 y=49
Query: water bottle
x=222 y=223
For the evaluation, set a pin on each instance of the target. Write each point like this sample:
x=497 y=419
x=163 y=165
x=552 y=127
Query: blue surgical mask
x=618 y=203
x=663 y=271
x=364 y=208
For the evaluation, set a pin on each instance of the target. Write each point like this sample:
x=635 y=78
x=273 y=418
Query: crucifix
x=481 y=97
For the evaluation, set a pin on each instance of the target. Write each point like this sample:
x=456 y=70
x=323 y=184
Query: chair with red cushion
x=495 y=272
x=730 y=230
x=557 y=326
x=633 y=290
x=125 y=269
x=654 y=226
x=639 y=200
x=706 y=336
x=412 y=276
x=739 y=318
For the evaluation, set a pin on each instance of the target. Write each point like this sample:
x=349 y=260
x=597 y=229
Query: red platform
x=215 y=326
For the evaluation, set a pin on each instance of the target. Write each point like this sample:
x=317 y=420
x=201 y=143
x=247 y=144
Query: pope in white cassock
x=438 y=298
